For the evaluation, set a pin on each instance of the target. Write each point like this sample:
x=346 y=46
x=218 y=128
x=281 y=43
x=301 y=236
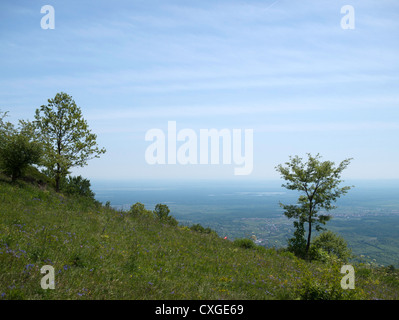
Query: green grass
x=101 y=253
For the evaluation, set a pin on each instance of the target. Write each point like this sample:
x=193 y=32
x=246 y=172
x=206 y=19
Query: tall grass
x=101 y=253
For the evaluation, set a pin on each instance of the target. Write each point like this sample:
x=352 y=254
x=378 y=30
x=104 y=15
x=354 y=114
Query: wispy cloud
x=274 y=66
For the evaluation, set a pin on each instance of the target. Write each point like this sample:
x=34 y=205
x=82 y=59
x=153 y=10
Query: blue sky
x=285 y=69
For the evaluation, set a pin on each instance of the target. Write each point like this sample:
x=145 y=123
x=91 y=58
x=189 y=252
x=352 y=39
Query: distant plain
x=367 y=217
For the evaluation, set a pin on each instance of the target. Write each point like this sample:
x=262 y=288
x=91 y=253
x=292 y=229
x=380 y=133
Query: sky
x=288 y=70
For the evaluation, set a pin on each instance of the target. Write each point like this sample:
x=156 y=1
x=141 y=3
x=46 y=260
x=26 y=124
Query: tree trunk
x=57 y=178
x=57 y=183
x=309 y=233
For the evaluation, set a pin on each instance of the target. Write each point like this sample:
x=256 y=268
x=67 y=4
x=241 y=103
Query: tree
x=17 y=149
x=162 y=212
x=77 y=186
x=66 y=136
x=17 y=153
x=6 y=128
x=138 y=210
x=332 y=244
x=297 y=244
x=318 y=181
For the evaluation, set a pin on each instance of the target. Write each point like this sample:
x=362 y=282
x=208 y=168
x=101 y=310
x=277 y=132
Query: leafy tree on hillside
x=138 y=210
x=6 y=128
x=66 y=136
x=297 y=244
x=162 y=212
x=332 y=244
x=318 y=181
x=17 y=149
x=77 y=186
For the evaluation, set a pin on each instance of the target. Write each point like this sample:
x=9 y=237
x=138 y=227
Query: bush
x=286 y=253
x=77 y=186
x=138 y=210
x=244 y=243
x=198 y=228
x=33 y=175
x=320 y=255
x=171 y=220
x=363 y=272
x=329 y=245
x=297 y=244
x=162 y=212
x=313 y=290
x=17 y=152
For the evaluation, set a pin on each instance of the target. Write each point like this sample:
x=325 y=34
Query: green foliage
x=313 y=290
x=363 y=272
x=76 y=186
x=199 y=228
x=33 y=175
x=244 y=243
x=330 y=244
x=318 y=181
x=6 y=128
x=297 y=244
x=100 y=253
x=17 y=153
x=66 y=136
x=138 y=210
x=17 y=150
x=162 y=212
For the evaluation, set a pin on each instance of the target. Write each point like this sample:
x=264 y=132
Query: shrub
x=363 y=272
x=297 y=244
x=17 y=152
x=77 y=186
x=138 y=210
x=162 y=212
x=171 y=220
x=198 y=228
x=244 y=243
x=329 y=244
x=312 y=290
x=32 y=174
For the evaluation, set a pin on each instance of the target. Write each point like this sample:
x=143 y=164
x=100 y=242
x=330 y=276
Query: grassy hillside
x=101 y=253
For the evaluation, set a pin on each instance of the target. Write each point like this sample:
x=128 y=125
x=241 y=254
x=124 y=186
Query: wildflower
x=28 y=266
